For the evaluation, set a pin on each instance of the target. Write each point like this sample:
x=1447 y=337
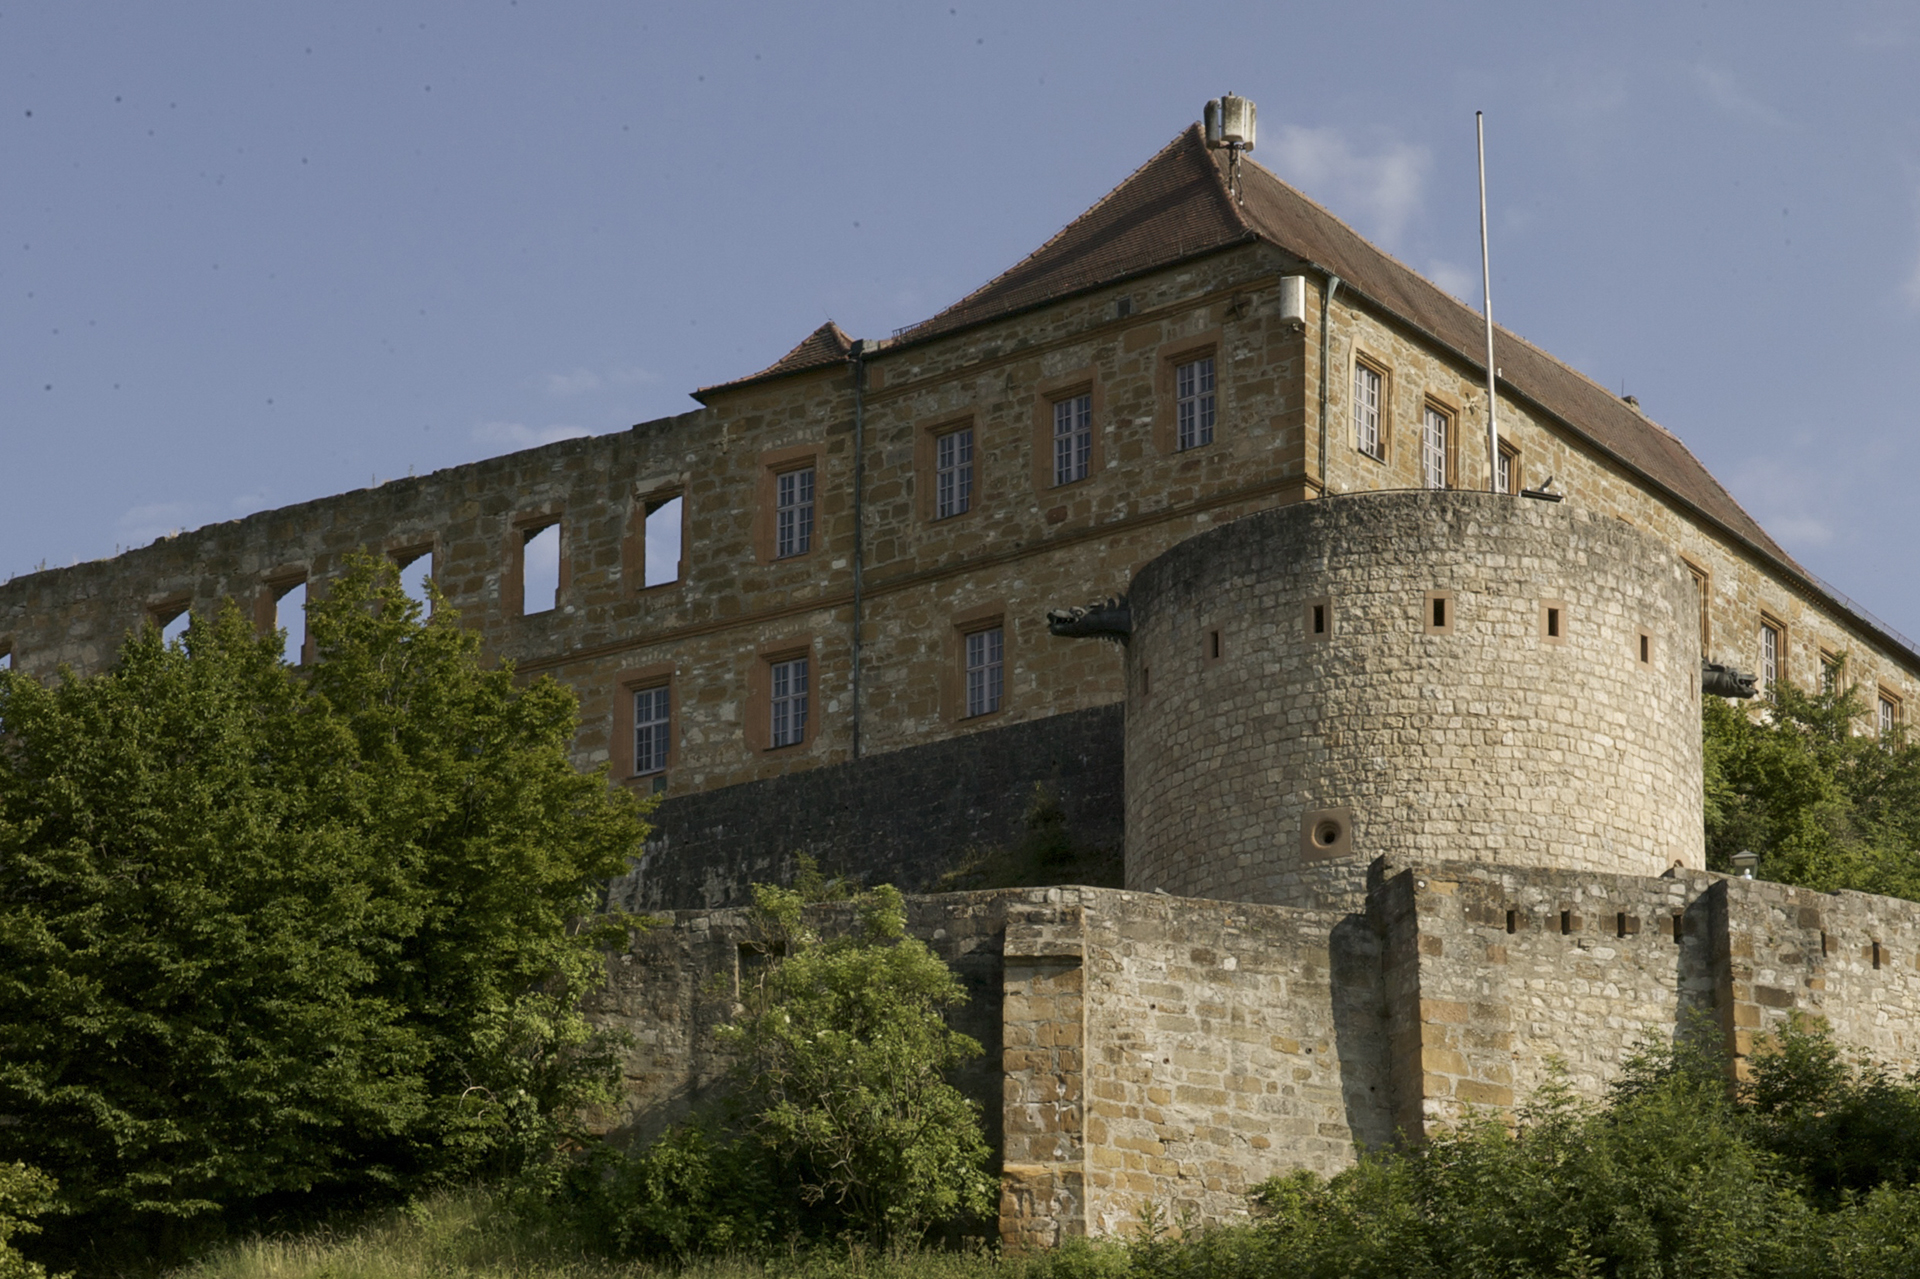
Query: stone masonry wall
x=1248 y=732
x=904 y=818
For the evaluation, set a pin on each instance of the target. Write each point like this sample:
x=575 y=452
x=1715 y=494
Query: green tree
x=1824 y=804
x=268 y=932
x=843 y=1059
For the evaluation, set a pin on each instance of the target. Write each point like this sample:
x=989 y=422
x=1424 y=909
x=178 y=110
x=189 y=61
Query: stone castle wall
x=1141 y=1047
x=1514 y=676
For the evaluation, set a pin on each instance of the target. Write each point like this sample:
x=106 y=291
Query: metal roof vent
x=1229 y=123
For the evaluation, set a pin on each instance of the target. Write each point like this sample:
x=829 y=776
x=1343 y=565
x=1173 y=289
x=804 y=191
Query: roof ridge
x=1187 y=138
x=825 y=346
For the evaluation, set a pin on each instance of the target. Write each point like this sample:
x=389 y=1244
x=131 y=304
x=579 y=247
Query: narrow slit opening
x=1644 y=645
x=1620 y=924
x=1513 y=920
x=1439 y=612
x=1678 y=927
x=1319 y=619
x=1214 y=639
x=1566 y=922
x=1876 y=956
x=1553 y=623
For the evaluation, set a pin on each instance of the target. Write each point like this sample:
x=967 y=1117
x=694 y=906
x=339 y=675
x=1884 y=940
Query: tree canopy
x=268 y=931
x=1825 y=804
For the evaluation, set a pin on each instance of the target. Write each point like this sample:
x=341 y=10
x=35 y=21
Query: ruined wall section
x=1436 y=710
x=1741 y=586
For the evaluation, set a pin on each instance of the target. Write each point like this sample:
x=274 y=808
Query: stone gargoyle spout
x=1723 y=681
x=1112 y=620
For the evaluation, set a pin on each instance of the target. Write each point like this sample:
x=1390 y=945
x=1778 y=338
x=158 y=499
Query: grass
x=470 y=1234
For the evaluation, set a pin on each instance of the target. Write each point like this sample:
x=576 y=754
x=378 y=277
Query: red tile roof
x=822 y=348
x=1177 y=205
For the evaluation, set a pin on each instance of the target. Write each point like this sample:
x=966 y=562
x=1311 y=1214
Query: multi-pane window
x=789 y=702
x=1193 y=402
x=1072 y=438
x=985 y=650
x=1700 y=596
x=1433 y=448
x=652 y=717
x=1889 y=715
x=953 y=473
x=1366 y=412
x=793 y=513
x=1829 y=673
x=1509 y=467
x=1770 y=654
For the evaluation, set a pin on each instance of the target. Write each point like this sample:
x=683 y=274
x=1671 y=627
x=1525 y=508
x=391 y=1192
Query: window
x=1367 y=436
x=1829 y=672
x=985 y=652
x=1509 y=470
x=660 y=544
x=290 y=611
x=6 y=658
x=1701 y=595
x=1889 y=716
x=793 y=514
x=1193 y=402
x=1772 y=655
x=953 y=473
x=540 y=568
x=1433 y=448
x=1072 y=438
x=172 y=618
x=789 y=700
x=652 y=720
x=416 y=570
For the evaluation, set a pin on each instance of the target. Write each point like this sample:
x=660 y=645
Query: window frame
x=1076 y=403
x=993 y=615
x=1168 y=357
x=1703 y=590
x=992 y=669
x=1771 y=625
x=1047 y=393
x=1429 y=410
x=961 y=470
x=772 y=464
x=778 y=700
x=1510 y=459
x=1383 y=378
x=1210 y=398
x=1887 y=711
x=792 y=543
x=623 y=748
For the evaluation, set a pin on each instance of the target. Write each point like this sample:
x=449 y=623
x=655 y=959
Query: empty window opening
x=1123 y=307
x=1146 y=680
x=652 y=719
x=985 y=682
x=1439 y=613
x=1072 y=438
x=1367 y=436
x=1434 y=429
x=6 y=659
x=793 y=513
x=173 y=622
x=1679 y=927
x=1566 y=922
x=540 y=569
x=661 y=541
x=1646 y=649
x=1620 y=924
x=1877 y=955
x=1513 y=921
x=1193 y=401
x=1319 y=619
x=1213 y=645
x=1553 y=623
x=789 y=702
x=953 y=473
x=1823 y=943
x=416 y=570
x=290 y=618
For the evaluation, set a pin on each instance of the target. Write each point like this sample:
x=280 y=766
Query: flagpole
x=1486 y=286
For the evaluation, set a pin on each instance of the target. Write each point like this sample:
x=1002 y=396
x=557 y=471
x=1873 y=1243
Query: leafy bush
x=275 y=938
x=840 y=1123
x=1824 y=806
x=25 y=1194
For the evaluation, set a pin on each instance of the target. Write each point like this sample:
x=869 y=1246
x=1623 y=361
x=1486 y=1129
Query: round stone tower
x=1435 y=675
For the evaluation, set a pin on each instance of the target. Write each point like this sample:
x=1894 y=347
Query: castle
x=1403 y=746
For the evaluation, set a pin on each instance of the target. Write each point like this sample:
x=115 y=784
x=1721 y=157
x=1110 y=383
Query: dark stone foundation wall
x=905 y=817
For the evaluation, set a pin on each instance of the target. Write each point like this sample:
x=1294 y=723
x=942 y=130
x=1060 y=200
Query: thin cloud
x=1788 y=502
x=584 y=381
x=140 y=525
x=1722 y=89
x=1461 y=282
x=1381 y=186
x=518 y=435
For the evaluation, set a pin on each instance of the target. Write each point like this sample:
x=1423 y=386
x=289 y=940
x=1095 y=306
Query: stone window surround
x=926 y=468
x=1167 y=360
x=1510 y=457
x=1384 y=437
x=648 y=498
x=953 y=683
x=758 y=726
x=1703 y=586
x=621 y=745
x=1888 y=698
x=1324 y=603
x=1771 y=622
x=1434 y=402
x=771 y=464
x=1048 y=392
x=521 y=528
x=1447 y=615
x=1554 y=622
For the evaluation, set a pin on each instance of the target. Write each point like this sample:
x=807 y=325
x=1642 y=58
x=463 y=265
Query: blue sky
x=254 y=254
